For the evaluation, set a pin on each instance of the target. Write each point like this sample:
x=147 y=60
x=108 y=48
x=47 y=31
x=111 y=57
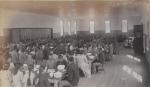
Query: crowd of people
x=80 y=56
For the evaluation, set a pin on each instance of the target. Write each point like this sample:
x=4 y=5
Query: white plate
x=58 y=75
x=61 y=67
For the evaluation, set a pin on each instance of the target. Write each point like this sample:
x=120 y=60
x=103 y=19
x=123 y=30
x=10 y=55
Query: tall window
x=69 y=28
x=75 y=27
x=107 y=26
x=124 y=26
x=91 y=26
x=62 y=28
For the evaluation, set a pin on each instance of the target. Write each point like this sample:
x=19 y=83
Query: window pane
x=75 y=27
x=107 y=26
x=69 y=27
x=61 y=27
x=124 y=26
x=91 y=26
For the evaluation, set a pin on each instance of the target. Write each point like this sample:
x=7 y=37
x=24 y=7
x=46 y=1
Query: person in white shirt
x=17 y=76
x=28 y=76
x=5 y=76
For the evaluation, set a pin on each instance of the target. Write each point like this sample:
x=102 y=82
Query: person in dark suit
x=39 y=55
x=14 y=55
x=99 y=61
x=42 y=78
x=72 y=76
x=45 y=53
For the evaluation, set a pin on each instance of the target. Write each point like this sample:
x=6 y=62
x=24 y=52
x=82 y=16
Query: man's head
x=6 y=66
x=30 y=67
x=60 y=56
x=51 y=52
x=15 y=47
x=70 y=59
x=17 y=65
x=41 y=69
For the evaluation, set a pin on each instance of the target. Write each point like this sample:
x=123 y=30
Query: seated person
x=99 y=61
x=51 y=63
x=17 y=76
x=72 y=75
x=61 y=61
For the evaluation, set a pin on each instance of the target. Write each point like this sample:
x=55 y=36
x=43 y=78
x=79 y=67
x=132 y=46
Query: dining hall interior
x=75 y=43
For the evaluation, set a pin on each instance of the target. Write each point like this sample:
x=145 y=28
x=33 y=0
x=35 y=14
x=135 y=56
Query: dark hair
x=15 y=47
x=60 y=56
x=71 y=59
x=17 y=65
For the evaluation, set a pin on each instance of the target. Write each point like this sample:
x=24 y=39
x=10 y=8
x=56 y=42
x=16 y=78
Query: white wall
x=16 y=19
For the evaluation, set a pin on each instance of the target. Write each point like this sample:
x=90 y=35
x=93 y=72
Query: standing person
x=28 y=75
x=14 y=55
x=17 y=77
x=101 y=58
x=116 y=47
x=51 y=63
x=22 y=56
x=39 y=55
x=31 y=76
x=75 y=58
x=72 y=78
x=5 y=76
x=42 y=78
x=111 y=50
x=45 y=53
x=29 y=59
x=25 y=75
x=107 y=52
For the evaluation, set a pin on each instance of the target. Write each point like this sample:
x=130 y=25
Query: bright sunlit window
x=124 y=26
x=69 y=28
x=61 y=27
x=107 y=26
x=75 y=27
x=91 y=26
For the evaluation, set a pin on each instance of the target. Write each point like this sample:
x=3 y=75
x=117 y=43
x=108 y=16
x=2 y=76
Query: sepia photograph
x=74 y=43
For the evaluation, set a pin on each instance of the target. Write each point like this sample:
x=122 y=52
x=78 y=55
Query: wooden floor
x=120 y=72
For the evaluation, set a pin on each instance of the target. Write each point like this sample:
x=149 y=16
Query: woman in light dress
x=83 y=64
